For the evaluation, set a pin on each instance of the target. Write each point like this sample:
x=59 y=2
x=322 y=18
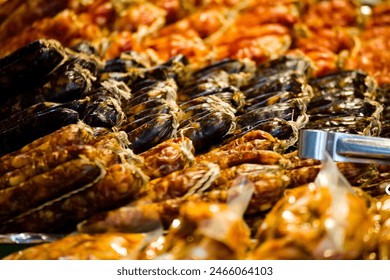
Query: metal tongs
x=343 y=147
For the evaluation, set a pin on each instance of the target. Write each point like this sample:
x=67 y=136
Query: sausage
x=46 y=186
x=30 y=64
x=35 y=127
x=73 y=134
x=197 y=178
x=167 y=157
x=119 y=185
x=151 y=133
x=43 y=163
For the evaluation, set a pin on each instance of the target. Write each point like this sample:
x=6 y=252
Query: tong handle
x=343 y=147
x=366 y=148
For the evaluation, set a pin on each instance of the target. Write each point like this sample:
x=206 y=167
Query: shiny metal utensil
x=28 y=238
x=343 y=147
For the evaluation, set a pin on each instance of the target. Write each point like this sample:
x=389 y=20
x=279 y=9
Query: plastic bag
x=211 y=230
x=321 y=220
x=106 y=246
